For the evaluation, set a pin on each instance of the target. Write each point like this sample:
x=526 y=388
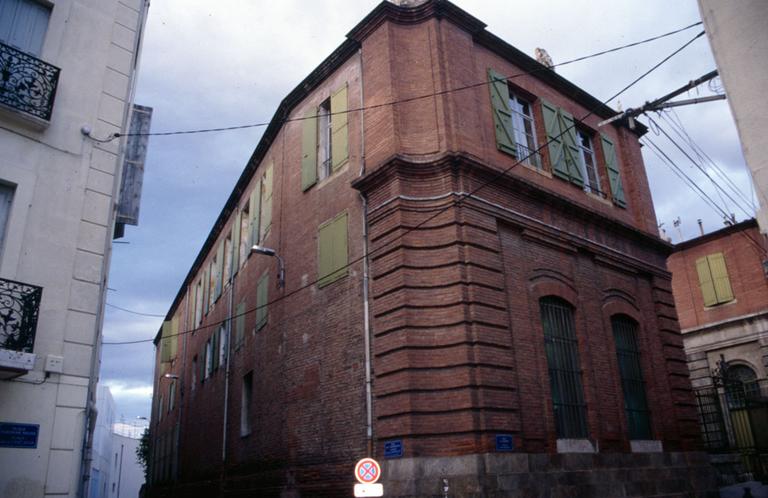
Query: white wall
x=59 y=232
x=738 y=34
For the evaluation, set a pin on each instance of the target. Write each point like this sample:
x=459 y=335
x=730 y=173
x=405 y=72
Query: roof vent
x=543 y=58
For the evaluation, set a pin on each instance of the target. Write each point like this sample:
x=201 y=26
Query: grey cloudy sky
x=210 y=64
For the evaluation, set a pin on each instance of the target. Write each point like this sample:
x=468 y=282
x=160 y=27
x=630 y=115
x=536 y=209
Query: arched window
x=740 y=386
x=562 y=351
x=632 y=384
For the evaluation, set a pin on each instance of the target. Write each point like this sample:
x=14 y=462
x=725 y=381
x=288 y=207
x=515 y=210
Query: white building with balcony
x=67 y=76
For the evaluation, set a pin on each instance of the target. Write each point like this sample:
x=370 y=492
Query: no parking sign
x=367 y=472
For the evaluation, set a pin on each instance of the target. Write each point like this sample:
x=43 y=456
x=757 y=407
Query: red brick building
x=511 y=326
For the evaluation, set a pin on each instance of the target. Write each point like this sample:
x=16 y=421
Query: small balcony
x=27 y=84
x=19 y=307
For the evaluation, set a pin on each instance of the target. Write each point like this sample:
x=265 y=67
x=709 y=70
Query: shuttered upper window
x=514 y=122
x=562 y=352
x=332 y=250
x=23 y=24
x=325 y=138
x=713 y=279
x=632 y=383
x=262 y=298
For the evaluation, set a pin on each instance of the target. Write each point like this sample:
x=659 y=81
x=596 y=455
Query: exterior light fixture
x=170 y=376
x=266 y=251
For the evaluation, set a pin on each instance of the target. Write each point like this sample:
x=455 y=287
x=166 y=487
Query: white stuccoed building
x=67 y=77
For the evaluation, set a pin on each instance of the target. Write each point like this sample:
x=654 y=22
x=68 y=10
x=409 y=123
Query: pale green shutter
x=218 y=284
x=309 y=149
x=720 y=278
x=266 y=201
x=165 y=342
x=255 y=213
x=174 y=337
x=614 y=175
x=339 y=128
x=262 y=298
x=555 y=140
x=203 y=362
x=705 y=282
x=502 y=115
x=235 y=259
x=333 y=250
x=215 y=338
x=206 y=289
x=239 y=324
x=570 y=147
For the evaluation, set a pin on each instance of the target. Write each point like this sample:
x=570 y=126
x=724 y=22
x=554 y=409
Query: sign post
x=367 y=472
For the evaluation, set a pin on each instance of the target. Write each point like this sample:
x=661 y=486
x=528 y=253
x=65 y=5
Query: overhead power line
x=401 y=101
x=135 y=312
x=407 y=230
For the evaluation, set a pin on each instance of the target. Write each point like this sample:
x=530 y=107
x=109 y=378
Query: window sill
x=575 y=446
x=721 y=305
x=599 y=198
x=646 y=446
x=540 y=171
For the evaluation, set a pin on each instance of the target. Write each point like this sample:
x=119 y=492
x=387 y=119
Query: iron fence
x=27 y=83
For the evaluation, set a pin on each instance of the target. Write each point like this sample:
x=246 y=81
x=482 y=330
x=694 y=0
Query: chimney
x=543 y=58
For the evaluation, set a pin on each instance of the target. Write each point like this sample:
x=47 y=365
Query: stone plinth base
x=582 y=475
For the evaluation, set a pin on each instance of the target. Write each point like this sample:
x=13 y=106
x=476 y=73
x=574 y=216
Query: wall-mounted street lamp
x=281 y=265
x=170 y=376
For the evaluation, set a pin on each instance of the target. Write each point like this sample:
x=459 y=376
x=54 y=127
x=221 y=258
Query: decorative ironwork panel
x=564 y=371
x=27 y=83
x=19 y=307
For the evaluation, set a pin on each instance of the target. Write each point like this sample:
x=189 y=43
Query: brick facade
x=457 y=346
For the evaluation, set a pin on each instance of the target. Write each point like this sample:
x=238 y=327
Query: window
x=211 y=283
x=23 y=24
x=6 y=196
x=632 y=384
x=208 y=358
x=741 y=386
x=227 y=260
x=245 y=404
x=198 y=302
x=218 y=272
x=332 y=248
x=194 y=373
x=713 y=279
x=222 y=343
x=160 y=405
x=265 y=223
x=525 y=133
x=172 y=395
x=262 y=298
x=325 y=139
x=587 y=162
x=245 y=234
x=240 y=323
x=564 y=371
x=169 y=340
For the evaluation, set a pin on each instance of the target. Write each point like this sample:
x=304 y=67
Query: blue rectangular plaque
x=18 y=435
x=505 y=442
x=393 y=448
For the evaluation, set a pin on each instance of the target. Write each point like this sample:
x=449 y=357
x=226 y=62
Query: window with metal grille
x=562 y=351
x=632 y=384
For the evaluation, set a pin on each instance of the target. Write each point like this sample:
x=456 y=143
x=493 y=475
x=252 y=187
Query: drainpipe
x=228 y=334
x=366 y=279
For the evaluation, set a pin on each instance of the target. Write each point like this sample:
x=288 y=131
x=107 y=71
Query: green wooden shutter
x=255 y=213
x=614 y=175
x=555 y=140
x=165 y=342
x=206 y=289
x=262 y=298
x=333 y=250
x=339 y=128
x=266 y=201
x=570 y=147
x=174 y=335
x=502 y=115
x=235 y=259
x=203 y=362
x=720 y=278
x=240 y=324
x=215 y=338
x=219 y=271
x=309 y=149
x=705 y=282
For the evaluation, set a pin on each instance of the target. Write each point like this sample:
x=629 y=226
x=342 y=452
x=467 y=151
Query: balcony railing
x=19 y=307
x=27 y=84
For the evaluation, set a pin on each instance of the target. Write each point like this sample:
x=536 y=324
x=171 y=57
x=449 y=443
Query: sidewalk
x=758 y=489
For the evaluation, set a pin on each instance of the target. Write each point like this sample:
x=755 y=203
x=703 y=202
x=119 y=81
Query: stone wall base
x=600 y=475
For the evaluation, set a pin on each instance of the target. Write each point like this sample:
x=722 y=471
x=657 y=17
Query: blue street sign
x=505 y=442
x=393 y=448
x=18 y=435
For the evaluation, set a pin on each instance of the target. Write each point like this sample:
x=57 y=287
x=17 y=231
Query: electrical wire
x=153 y=315
x=407 y=230
x=395 y=102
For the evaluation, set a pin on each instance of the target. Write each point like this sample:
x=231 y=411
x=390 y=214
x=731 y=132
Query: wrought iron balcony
x=27 y=84
x=19 y=307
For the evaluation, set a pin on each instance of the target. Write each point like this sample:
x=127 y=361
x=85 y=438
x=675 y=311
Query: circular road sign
x=367 y=471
